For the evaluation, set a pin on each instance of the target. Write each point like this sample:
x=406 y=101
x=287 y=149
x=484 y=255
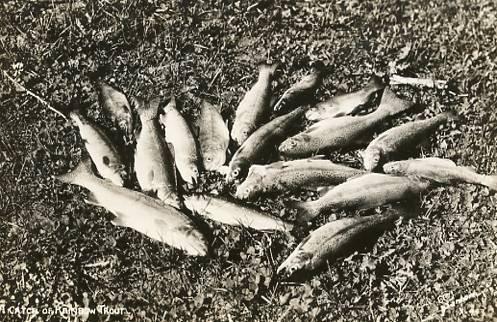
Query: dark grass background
x=439 y=266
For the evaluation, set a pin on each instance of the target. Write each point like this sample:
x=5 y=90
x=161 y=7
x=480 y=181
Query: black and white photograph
x=272 y=160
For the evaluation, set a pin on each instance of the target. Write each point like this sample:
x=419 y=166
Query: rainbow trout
x=342 y=132
x=401 y=138
x=441 y=171
x=293 y=175
x=140 y=212
x=367 y=191
x=345 y=104
x=254 y=109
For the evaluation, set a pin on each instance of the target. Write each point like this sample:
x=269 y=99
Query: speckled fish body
x=101 y=150
x=345 y=104
x=179 y=135
x=402 y=137
x=302 y=91
x=342 y=132
x=234 y=214
x=331 y=241
x=140 y=212
x=439 y=170
x=154 y=164
x=262 y=141
x=293 y=175
x=254 y=108
x=213 y=137
x=117 y=106
x=364 y=192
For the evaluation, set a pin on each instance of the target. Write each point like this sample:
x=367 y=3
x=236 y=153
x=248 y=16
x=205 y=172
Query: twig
x=425 y=82
x=38 y=98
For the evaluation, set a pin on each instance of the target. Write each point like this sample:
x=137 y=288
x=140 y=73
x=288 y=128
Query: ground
x=58 y=252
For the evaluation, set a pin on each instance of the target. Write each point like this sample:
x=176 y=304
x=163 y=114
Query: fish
x=285 y=176
x=254 y=108
x=442 y=171
x=102 y=151
x=154 y=163
x=401 y=138
x=364 y=192
x=332 y=241
x=179 y=135
x=342 y=132
x=302 y=91
x=140 y=212
x=232 y=213
x=116 y=104
x=345 y=104
x=213 y=136
x=262 y=141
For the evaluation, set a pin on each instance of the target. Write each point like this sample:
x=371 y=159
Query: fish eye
x=248 y=190
x=209 y=159
x=236 y=172
x=293 y=143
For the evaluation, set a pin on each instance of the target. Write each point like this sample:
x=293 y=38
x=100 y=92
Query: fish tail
x=81 y=172
x=305 y=210
x=392 y=104
x=375 y=84
x=490 y=182
x=267 y=69
x=147 y=110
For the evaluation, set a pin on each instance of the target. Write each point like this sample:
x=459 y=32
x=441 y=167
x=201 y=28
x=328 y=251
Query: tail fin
x=147 y=110
x=374 y=84
x=392 y=104
x=490 y=182
x=267 y=69
x=81 y=172
x=305 y=210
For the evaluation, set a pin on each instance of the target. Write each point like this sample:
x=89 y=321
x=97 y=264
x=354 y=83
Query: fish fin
x=490 y=181
x=280 y=103
x=91 y=199
x=305 y=212
x=82 y=171
x=207 y=104
x=274 y=165
x=392 y=104
x=147 y=110
x=259 y=169
x=374 y=84
x=268 y=68
x=150 y=175
x=170 y=147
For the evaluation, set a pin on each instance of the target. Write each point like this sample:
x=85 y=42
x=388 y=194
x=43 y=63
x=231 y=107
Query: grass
x=439 y=266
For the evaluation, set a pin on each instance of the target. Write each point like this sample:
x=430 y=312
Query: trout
x=234 y=214
x=140 y=212
x=285 y=176
x=254 y=109
x=441 y=171
x=345 y=104
x=343 y=132
x=401 y=138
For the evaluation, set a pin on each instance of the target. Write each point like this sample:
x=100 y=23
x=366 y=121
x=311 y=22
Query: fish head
x=294 y=144
x=296 y=262
x=396 y=167
x=371 y=158
x=214 y=159
x=240 y=135
x=247 y=191
x=251 y=186
x=190 y=174
x=237 y=171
